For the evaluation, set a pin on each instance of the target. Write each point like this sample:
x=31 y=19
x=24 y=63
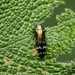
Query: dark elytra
x=41 y=47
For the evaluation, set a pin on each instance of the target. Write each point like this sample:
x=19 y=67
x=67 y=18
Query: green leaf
x=17 y=18
x=61 y=38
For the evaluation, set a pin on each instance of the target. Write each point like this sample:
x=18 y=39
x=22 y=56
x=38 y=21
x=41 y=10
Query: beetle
x=40 y=39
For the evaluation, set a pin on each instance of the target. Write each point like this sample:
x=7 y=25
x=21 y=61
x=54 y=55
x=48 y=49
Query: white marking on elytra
x=40 y=53
x=43 y=52
x=44 y=47
x=39 y=47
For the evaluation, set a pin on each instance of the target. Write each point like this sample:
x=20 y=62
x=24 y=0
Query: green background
x=51 y=21
x=17 y=52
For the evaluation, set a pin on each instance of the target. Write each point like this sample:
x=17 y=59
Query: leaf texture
x=61 y=38
x=17 y=18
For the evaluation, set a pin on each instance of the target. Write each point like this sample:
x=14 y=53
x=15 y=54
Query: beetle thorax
x=39 y=33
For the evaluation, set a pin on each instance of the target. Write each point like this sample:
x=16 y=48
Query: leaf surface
x=17 y=18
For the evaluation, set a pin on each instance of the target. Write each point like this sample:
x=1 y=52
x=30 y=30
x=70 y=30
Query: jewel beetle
x=40 y=40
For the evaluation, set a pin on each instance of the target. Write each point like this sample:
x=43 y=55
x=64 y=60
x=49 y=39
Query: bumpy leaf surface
x=17 y=19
